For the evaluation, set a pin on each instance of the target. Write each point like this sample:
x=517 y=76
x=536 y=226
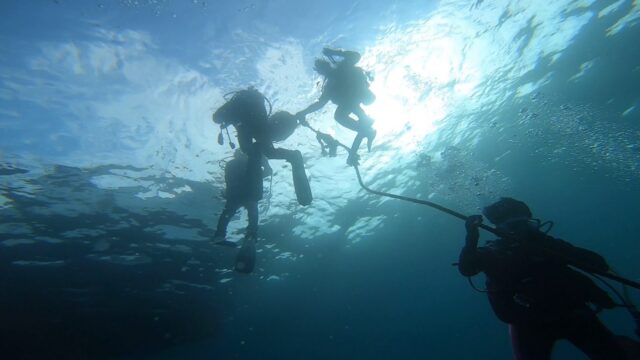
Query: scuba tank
x=282 y=124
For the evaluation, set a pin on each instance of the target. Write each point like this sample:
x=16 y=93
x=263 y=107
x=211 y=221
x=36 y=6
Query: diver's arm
x=470 y=258
x=581 y=258
x=322 y=101
x=348 y=56
x=467 y=262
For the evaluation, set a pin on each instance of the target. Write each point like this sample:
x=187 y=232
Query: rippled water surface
x=111 y=175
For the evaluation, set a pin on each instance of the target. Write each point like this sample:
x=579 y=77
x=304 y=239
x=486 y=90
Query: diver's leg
x=364 y=120
x=342 y=117
x=353 y=152
x=252 y=214
x=366 y=126
x=530 y=343
x=254 y=172
x=230 y=209
x=300 y=180
x=590 y=335
x=246 y=257
x=362 y=127
x=271 y=152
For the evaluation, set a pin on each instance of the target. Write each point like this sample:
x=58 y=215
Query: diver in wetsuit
x=247 y=112
x=532 y=288
x=347 y=86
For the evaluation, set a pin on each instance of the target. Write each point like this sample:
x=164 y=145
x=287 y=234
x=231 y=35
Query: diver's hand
x=353 y=159
x=330 y=52
x=473 y=222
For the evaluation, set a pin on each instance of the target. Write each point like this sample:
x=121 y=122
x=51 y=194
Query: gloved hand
x=329 y=51
x=472 y=224
x=353 y=159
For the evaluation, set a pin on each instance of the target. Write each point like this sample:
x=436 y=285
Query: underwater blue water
x=111 y=176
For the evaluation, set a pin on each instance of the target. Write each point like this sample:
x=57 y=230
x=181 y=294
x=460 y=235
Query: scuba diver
x=532 y=288
x=347 y=86
x=257 y=129
x=238 y=194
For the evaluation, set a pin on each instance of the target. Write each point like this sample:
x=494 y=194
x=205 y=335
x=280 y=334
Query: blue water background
x=110 y=173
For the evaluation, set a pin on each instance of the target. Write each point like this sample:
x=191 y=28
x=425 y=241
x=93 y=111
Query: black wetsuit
x=347 y=86
x=532 y=288
x=247 y=113
x=238 y=194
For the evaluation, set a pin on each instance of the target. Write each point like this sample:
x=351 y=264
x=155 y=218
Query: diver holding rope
x=347 y=86
x=520 y=235
x=532 y=281
x=533 y=288
x=533 y=284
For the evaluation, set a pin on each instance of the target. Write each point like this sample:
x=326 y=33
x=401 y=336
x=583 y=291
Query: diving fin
x=300 y=181
x=370 y=136
x=246 y=258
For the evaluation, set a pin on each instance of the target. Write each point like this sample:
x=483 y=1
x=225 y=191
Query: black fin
x=301 y=183
x=246 y=258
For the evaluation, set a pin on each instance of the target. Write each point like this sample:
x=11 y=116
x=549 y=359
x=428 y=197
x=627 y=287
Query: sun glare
x=417 y=84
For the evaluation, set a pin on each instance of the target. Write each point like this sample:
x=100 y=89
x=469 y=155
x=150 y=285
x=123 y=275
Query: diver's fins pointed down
x=246 y=258
x=370 y=136
x=300 y=181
